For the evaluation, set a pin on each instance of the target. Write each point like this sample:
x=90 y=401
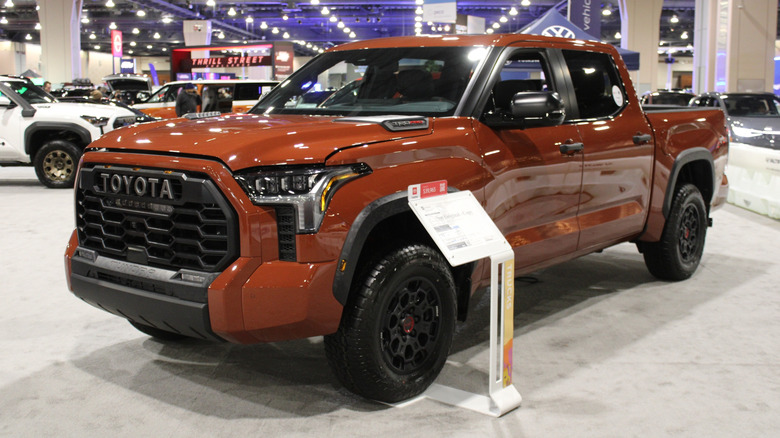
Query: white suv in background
x=36 y=129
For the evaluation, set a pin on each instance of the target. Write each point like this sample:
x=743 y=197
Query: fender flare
x=374 y=213
x=80 y=131
x=686 y=157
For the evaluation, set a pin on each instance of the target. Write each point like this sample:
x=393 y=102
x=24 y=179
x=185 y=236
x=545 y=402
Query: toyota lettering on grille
x=160 y=188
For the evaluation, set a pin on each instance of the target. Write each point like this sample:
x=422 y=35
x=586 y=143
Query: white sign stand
x=464 y=233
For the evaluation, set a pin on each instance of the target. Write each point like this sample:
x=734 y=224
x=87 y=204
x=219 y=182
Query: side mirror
x=538 y=108
x=5 y=101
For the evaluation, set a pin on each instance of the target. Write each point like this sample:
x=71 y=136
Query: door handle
x=640 y=138
x=570 y=148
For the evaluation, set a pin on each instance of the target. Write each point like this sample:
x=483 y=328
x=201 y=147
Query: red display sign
x=116 y=43
x=426 y=190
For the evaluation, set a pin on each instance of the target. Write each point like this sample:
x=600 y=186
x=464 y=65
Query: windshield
x=421 y=80
x=29 y=92
x=751 y=106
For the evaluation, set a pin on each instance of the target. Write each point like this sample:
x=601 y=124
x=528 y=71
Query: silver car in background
x=754 y=118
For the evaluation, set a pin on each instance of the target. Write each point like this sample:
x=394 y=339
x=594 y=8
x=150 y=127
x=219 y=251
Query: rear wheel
x=56 y=164
x=396 y=330
x=677 y=255
x=157 y=333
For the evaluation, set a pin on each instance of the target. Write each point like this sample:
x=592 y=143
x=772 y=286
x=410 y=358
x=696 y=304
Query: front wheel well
x=37 y=139
x=404 y=229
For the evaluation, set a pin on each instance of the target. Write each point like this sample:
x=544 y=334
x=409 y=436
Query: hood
x=756 y=131
x=84 y=109
x=245 y=140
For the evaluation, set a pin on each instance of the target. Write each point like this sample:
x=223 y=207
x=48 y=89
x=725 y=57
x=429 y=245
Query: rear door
x=618 y=150
x=535 y=191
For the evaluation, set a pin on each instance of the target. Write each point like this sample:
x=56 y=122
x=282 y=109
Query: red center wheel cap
x=408 y=324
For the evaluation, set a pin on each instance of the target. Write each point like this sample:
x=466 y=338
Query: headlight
x=123 y=121
x=745 y=132
x=307 y=189
x=96 y=121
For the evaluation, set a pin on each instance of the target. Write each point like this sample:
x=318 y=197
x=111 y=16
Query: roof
x=498 y=40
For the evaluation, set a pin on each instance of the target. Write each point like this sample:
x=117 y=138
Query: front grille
x=183 y=224
x=285 y=226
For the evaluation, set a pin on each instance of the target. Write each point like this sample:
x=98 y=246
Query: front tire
x=56 y=164
x=677 y=255
x=396 y=330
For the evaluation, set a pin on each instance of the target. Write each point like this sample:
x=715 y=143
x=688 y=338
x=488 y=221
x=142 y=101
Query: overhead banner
x=440 y=11
x=116 y=43
x=586 y=14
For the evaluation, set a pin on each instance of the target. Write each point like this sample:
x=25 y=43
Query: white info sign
x=459 y=226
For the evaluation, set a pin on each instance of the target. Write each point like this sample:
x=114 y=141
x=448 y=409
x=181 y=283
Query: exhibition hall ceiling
x=153 y=27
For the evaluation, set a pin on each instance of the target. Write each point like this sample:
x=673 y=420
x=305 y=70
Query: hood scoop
x=392 y=123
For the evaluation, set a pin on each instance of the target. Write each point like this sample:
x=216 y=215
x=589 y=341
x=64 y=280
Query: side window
x=523 y=71
x=159 y=96
x=173 y=91
x=248 y=91
x=597 y=84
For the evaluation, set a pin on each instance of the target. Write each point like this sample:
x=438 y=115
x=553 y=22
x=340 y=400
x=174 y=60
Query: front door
x=534 y=196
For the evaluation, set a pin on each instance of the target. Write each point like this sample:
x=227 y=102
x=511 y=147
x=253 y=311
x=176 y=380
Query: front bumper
x=256 y=298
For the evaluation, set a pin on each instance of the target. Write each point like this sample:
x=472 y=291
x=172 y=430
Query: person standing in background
x=47 y=87
x=188 y=100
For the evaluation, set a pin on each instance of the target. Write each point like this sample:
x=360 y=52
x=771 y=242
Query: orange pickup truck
x=292 y=220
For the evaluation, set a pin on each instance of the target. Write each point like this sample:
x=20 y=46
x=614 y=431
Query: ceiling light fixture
x=285 y=17
x=325 y=10
x=232 y=12
x=503 y=19
x=112 y=26
x=496 y=25
x=684 y=35
x=110 y=4
x=167 y=20
x=3 y=20
x=340 y=25
x=37 y=26
x=275 y=30
x=419 y=2
x=92 y=36
x=314 y=2
x=164 y=49
x=250 y=19
x=97 y=47
x=490 y=30
x=132 y=43
x=211 y=3
x=141 y=13
x=606 y=11
x=513 y=11
x=525 y=3
x=347 y=30
x=9 y=4
x=285 y=35
x=136 y=31
x=85 y=20
x=264 y=25
x=130 y=52
x=352 y=35
x=618 y=35
x=221 y=35
x=28 y=37
x=333 y=19
x=418 y=11
x=674 y=19
x=156 y=35
x=149 y=46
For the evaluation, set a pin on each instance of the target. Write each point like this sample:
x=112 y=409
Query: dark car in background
x=753 y=118
x=667 y=97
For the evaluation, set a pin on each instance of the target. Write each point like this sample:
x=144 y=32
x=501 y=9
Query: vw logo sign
x=558 y=31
